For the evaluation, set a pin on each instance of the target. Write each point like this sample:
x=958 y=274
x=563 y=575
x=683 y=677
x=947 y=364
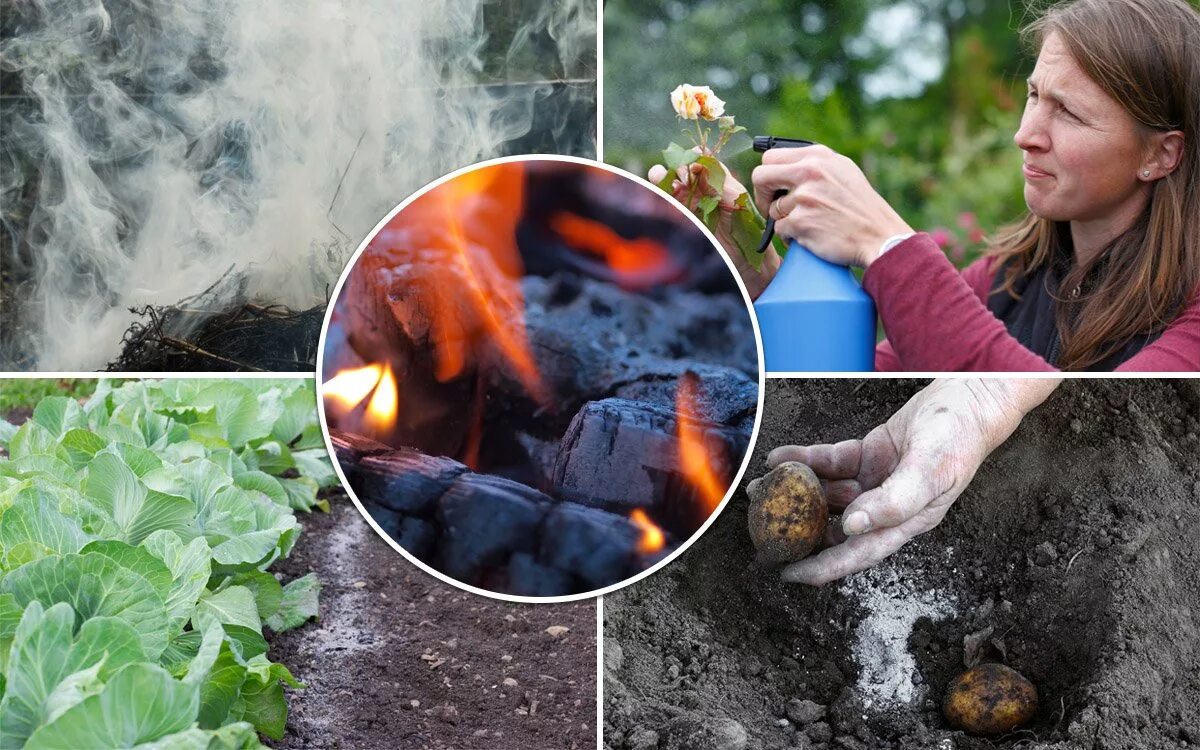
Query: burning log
x=489 y=531
x=600 y=548
x=620 y=455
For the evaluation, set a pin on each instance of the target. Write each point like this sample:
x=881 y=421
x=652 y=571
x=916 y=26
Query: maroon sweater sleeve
x=936 y=320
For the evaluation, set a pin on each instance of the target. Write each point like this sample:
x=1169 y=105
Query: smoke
x=150 y=146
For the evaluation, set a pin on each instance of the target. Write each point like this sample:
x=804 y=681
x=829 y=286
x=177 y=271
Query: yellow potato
x=990 y=699
x=788 y=513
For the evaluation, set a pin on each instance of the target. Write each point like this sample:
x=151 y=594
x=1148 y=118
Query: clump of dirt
x=398 y=659
x=1072 y=557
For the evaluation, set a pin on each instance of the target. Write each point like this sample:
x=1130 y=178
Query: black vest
x=1031 y=319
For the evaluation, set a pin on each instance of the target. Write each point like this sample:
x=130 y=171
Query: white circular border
x=337 y=466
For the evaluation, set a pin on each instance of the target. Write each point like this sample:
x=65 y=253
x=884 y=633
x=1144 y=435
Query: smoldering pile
x=574 y=430
x=149 y=146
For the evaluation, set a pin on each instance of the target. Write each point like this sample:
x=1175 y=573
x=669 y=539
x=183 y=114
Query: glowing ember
x=348 y=388
x=694 y=457
x=638 y=263
x=384 y=405
x=652 y=537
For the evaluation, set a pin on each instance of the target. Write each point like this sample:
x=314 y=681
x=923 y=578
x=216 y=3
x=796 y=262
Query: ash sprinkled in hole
x=894 y=601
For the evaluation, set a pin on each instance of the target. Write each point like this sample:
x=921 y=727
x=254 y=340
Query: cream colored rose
x=693 y=102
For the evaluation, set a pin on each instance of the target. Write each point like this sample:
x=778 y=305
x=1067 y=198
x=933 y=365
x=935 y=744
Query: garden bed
x=1075 y=543
x=398 y=659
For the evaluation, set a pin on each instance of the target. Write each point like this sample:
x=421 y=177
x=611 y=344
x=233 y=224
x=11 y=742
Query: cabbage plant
x=136 y=534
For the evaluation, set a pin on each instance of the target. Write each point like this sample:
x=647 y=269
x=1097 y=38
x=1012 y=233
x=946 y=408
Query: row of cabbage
x=136 y=532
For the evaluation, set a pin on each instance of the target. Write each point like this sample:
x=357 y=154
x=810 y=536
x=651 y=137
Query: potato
x=990 y=699
x=788 y=513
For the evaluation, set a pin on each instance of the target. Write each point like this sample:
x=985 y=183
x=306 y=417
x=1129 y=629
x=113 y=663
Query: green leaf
x=316 y=465
x=265 y=706
x=232 y=606
x=301 y=492
x=238 y=736
x=190 y=567
x=714 y=173
x=34 y=527
x=299 y=604
x=81 y=446
x=48 y=673
x=139 y=704
x=246 y=551
x=236 y=410
x=136 y=510
x=268 y=594
x=220 y=689
x=676 y=156
x=299 y=411
x=137 y=560
x=59 y=414
x=32 y=439
x=7 y=431
x=94 y=586
x=746 y=229
x=259 y=481
x=10 y=617
x=708 y=204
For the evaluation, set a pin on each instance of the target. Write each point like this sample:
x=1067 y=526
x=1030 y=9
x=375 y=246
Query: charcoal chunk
x=405 y=481
x=527 y=577
x=599 y=547
x=484 y=520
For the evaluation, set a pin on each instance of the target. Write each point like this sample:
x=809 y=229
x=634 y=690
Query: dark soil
x=400 y=660
x=1076 y=543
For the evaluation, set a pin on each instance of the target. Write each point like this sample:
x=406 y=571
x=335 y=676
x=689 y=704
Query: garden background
x=925 y=95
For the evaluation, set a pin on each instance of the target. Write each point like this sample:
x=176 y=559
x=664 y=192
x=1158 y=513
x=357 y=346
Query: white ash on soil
x=893 y=602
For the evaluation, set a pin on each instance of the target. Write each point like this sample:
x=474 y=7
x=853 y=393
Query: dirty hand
x=830 y=208
x=900 y=479
x=756 y=281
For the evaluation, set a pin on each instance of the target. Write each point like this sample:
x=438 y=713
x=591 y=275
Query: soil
x=1075 y=544
x=400 y=660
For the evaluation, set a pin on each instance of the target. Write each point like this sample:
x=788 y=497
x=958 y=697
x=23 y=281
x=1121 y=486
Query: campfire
x=540 y=378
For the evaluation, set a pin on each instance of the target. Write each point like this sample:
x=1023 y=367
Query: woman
x=1104 y=271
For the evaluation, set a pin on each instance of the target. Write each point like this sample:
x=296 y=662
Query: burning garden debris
x=537 y=386
x=149 y=146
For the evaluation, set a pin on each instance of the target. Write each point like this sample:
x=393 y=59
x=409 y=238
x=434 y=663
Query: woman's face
x=1083 y=151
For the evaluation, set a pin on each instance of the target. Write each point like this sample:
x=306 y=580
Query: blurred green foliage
x=16 y=393
x=925 y=95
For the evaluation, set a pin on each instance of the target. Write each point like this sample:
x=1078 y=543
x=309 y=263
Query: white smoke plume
x=148 y=146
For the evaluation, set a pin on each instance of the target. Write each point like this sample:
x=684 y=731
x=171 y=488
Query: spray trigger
x=766 y=143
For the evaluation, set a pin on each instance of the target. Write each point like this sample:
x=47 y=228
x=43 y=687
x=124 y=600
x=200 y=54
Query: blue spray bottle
x=814 y=316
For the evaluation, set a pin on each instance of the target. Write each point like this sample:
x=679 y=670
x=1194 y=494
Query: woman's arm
x=977 y=275
x=1176 y=350
x=934 y=318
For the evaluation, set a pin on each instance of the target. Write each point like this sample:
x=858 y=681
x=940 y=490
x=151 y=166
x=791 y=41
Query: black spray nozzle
x=766 y=143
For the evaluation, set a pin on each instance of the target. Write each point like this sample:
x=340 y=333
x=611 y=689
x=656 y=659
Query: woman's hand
x=900 y=479
x=683 y=191
x=830 y=208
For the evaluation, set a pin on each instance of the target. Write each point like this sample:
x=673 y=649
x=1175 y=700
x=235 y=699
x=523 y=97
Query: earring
x=1145 y=173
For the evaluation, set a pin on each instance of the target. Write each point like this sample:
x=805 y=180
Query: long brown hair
x=1145 y=54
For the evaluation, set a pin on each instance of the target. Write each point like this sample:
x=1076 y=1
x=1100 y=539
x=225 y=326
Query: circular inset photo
x=540 y=378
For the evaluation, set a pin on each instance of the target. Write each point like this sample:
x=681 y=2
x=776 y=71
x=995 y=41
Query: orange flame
x=638 y=263
x=507 y=331
x=694 y=457
x=384 y=405
x=349 y=388
x=652 y=537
